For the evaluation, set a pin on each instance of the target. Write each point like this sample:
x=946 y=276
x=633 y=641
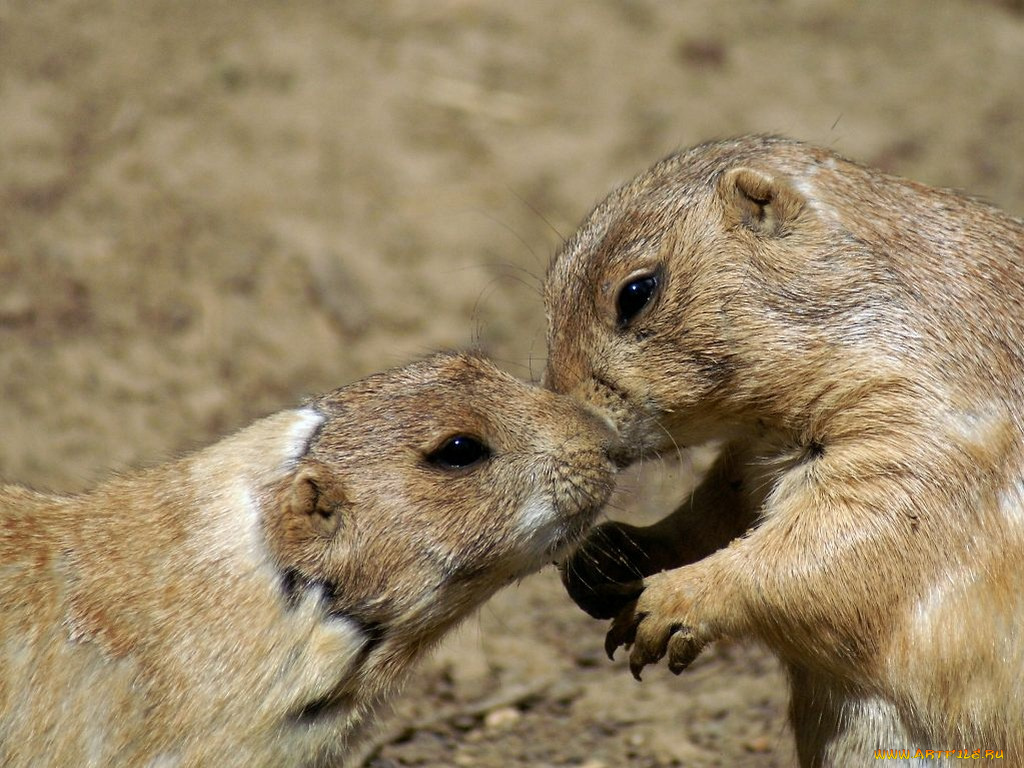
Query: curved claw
x=635 y=668
x=652 y=641
x=648 y=647
x=683 y=650
x=622 y=631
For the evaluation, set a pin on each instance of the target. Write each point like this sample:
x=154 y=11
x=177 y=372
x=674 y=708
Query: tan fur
x=255 y=603
x=857 y=342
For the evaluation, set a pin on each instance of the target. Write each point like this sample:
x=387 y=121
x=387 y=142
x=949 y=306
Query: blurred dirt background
x=211 y=209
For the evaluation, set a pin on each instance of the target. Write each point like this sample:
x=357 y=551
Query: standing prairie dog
x=255 y=603
x=856 y=341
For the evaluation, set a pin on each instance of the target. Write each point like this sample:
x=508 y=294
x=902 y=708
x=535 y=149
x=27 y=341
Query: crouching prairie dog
x=856 y=341
x=255 y=603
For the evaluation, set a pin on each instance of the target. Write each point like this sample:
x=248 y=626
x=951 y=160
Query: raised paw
x=606 y=573
x=658 y=624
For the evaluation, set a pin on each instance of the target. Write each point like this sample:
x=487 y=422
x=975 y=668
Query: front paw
x=606 y=573
x=660 y=623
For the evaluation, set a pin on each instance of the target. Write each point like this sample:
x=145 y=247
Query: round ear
x=314 y=501
x=759 y=200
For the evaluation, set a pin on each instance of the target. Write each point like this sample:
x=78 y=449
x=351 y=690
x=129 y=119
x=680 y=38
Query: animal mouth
x=634 y=427
x=575 y=528
x=622 y=456
x=645 y=434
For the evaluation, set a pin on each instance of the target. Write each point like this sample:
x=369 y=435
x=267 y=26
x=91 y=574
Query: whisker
x=511 y=230
x=541 y=216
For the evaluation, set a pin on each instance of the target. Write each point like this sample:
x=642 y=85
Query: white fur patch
x=334 y=638
x=930 y=604
x=536 y=514
x=248 y=512
x=930 y=611
x=874 y=723
x=327 y=648
x=1011 y=502
x=980 y=427
x=805 y=186
x=537 y=526
x=228 y=475
x=307 y=422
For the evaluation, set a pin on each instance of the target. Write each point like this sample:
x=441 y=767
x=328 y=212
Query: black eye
x=634 y=296
x=459 y=452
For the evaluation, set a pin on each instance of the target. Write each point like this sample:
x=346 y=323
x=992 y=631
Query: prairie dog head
x=715 y=290
x=423 y=491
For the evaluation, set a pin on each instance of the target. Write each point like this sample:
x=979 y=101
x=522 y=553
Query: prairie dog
x=256 y=603
x=856 y=342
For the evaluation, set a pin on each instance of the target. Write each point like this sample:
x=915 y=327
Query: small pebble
x=758 y=744
x=502 y=718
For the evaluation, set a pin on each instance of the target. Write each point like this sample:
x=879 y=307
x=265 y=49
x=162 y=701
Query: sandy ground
x=211 y=209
